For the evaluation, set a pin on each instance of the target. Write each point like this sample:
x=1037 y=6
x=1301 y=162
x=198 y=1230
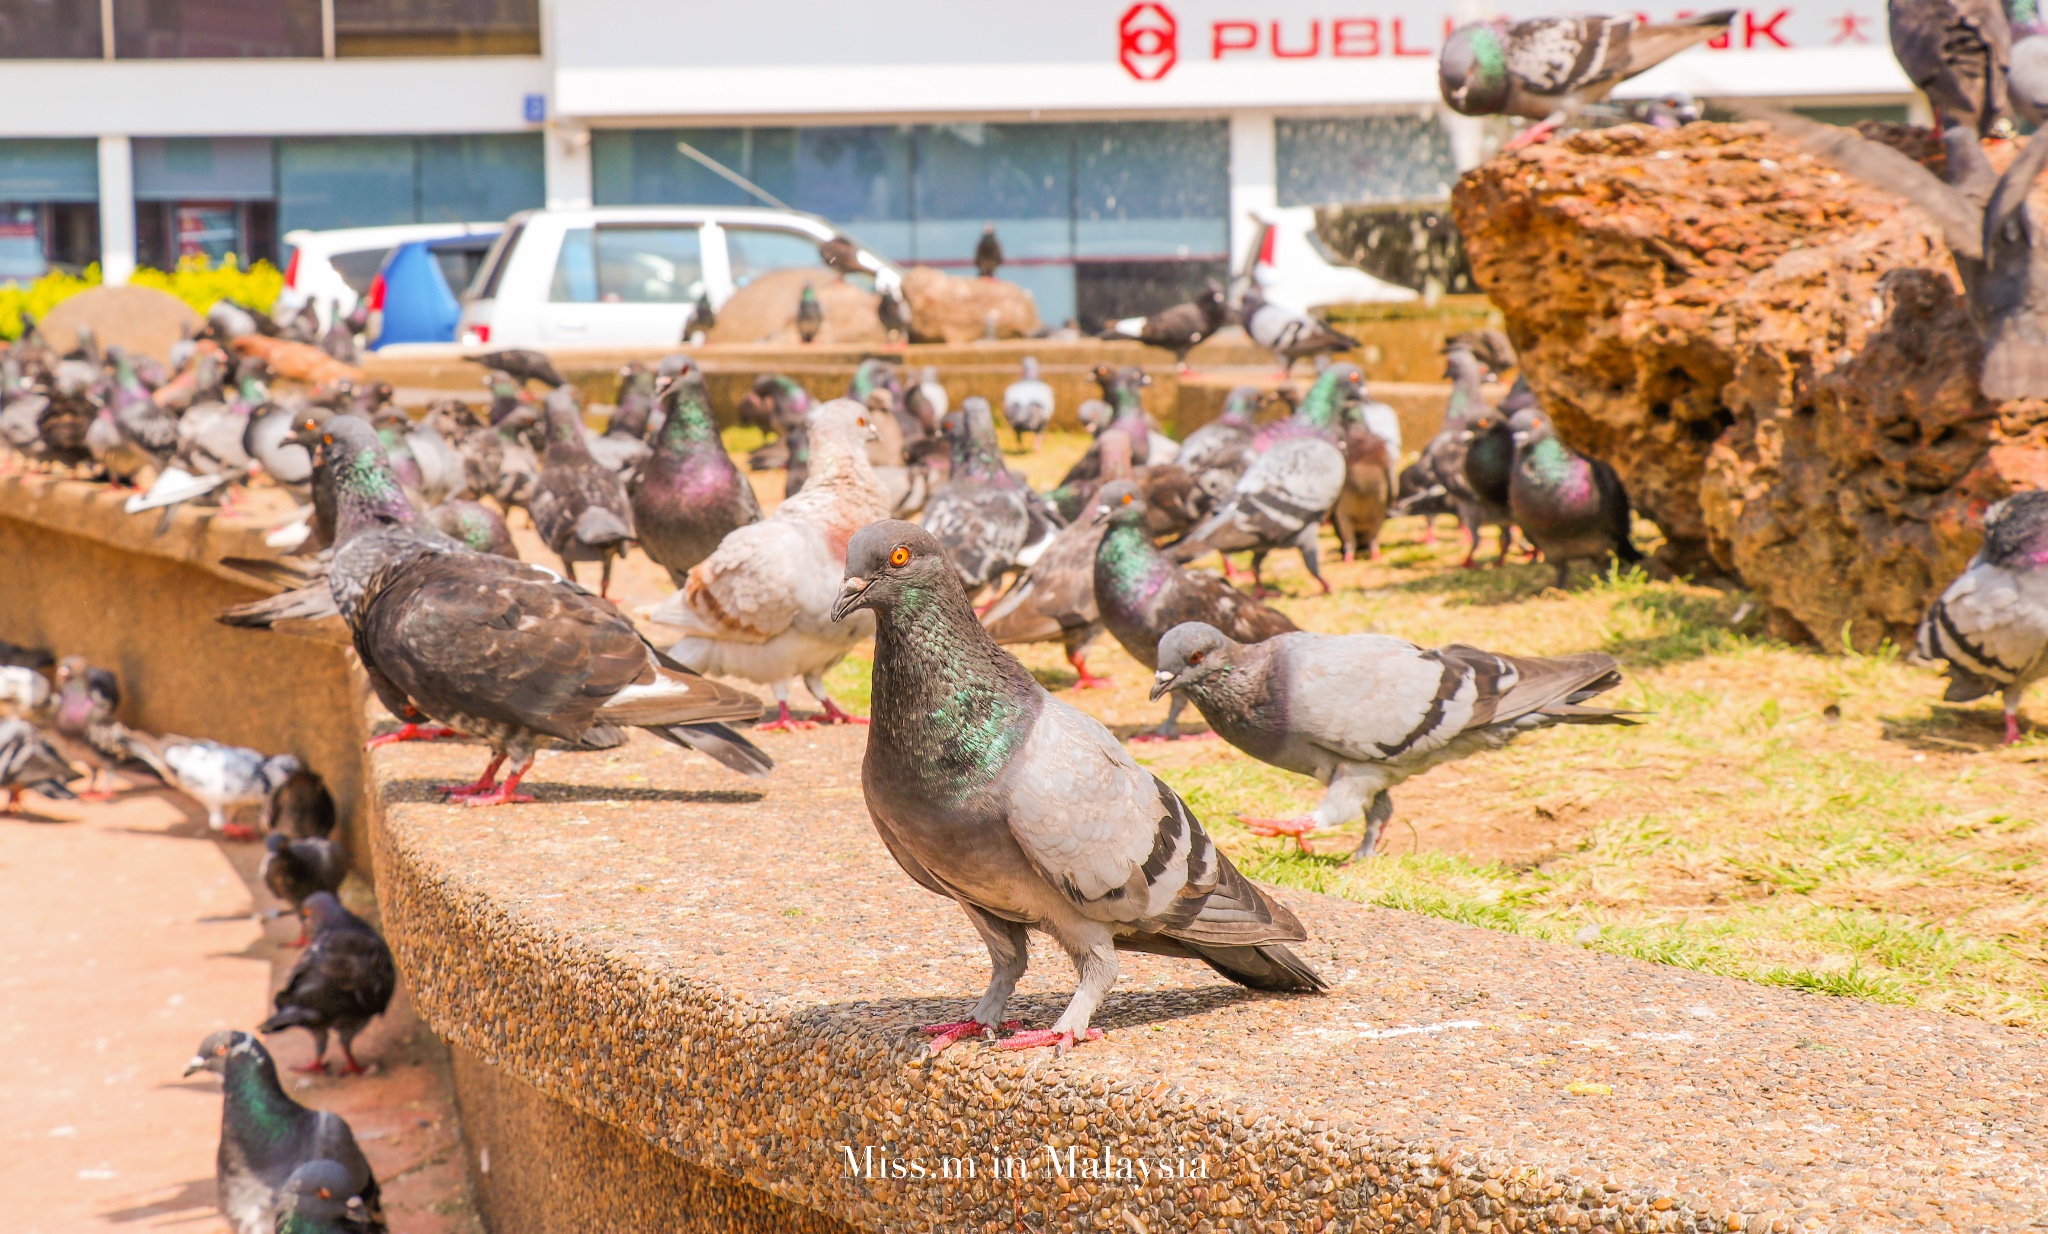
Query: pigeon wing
x=1647 y=46
x=755 y=585
x=1991 y=622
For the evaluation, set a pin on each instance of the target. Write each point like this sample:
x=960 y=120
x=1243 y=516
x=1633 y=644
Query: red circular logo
x=1148 y=41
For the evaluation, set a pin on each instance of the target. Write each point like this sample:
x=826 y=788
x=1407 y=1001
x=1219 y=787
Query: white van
x=1293 y=268
x=631 y=274
x=333 y=269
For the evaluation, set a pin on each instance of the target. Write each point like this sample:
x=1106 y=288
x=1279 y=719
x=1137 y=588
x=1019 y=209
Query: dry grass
x=1779 y=815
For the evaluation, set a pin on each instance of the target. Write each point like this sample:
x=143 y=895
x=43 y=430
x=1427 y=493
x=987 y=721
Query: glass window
x=227 y=168
x=1363 y=158
x=1016 y=176
x=643 y=167
x=187 y=29
x=436 y=27
x=358 y=267
x=629 y=265
x=328 y=182
x=206 y=229
x=1152 y=190
x=459 y=261
x=50 y=30
x=21 y=243
x=480 y=179
x=50 y=169
x=494 y=263
x=755 y=251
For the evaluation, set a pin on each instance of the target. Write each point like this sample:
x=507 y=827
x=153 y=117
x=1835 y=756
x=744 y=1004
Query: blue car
x=416 y=296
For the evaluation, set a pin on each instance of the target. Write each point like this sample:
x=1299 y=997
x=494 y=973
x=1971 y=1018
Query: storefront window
x=372 y=181
x=436 y=27
x=1363 y=158
x=50 y=30
x=479 y=179
x=21 y=244
x=188 y=29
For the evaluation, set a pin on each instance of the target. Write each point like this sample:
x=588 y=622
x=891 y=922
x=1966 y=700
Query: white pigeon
x=759 y=608
x=23 y=691
x=217 y=776
x=1991 y=624
x=1028 y=403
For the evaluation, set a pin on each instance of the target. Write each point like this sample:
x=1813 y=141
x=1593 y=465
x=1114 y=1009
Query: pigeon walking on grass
x=579 y=507
x=1991 y=623
x=1029 y=814
x=690 y=495
x=1441 y=472
x=1363 y=712
x=341 y=982
x=265 y=1137
x=985 y=518
x=1280 y=501
x=1570 y=506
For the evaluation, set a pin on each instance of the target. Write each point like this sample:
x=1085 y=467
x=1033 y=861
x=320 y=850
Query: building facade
x=1114 y=145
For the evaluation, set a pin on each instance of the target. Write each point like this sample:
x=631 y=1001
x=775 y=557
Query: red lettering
x=1355 y=36
x=1401 y=49
x=1315 y=43
x=1752 y=30
x=1219 y=43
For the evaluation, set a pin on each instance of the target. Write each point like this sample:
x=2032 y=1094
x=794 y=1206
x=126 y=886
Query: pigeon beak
x=850 y=594
x=1162 y=681
x=198 y=1063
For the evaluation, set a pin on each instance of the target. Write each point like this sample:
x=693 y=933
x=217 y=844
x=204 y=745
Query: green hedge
x=196 y=281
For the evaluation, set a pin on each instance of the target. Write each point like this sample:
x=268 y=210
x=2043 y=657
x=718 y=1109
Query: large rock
x=141 y=320
x=764 y=311
x=944 y=309
x=1770 y=353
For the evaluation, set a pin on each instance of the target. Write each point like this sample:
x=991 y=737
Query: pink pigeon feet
x=412 y=732
x=784 y=722
x=484 y=783
x=235 y=831
x=1531 y=135
x=503 y=795
x=835 y=716
x=944 y=1035
x=317 y=1067
x=1034 y=1038
x=1088 y=680
x=2012 y=728
x=1296 y=827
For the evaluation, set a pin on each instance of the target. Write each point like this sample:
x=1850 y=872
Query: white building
x=1115 y=146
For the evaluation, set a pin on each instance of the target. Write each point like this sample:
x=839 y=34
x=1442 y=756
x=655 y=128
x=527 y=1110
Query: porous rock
x=142 y=320
x=764 y=311
x=944 y=309
x=1771 y=353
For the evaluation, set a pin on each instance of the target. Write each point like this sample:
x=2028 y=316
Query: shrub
x=196 y=281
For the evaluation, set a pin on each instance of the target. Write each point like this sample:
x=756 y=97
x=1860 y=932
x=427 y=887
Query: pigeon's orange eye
x=1127 y=499
x=901 y=556
x=325 y=1194
x=1196 y=657
x=327 y=439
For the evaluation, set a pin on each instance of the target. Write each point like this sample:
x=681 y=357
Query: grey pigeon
x=315 y=1200
x=1294 y=701
x=300 y=806
x=294 y=870
x=218 y=776
x=1218 y=452
x=689 y=495
x=2027 y=82
x=1442 y=467
x=579 y=508
x=1028 y=403
x=265 y=1137
x=474 y=525
x=28 y=761
x=1570 y=506
x=1958 y=52
x=1289 y=334
x=1121 y=390
x=1279 y=501
x=1991 y=623
x=341 y=982
x=1179 y=329
x=1142 y=593
x=810 y=315
x=1550 y=68
x=1028 y=813
x=983 y=516
x=522 y=365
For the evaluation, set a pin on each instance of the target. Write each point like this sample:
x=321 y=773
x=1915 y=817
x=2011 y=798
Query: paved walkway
x=125 y=937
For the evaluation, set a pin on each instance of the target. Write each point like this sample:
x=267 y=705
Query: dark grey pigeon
x=983 y=517
x=579 y=507
x=1570 y=506
x=522 y=365
x=294 y=870
x=265 y=1136
x=1028 y=813
x=1178 y=329
x=341 y=982
x=300 y=806
x=1958 y=52
x=315 y=1200
x=1294 y=701
x=690 y=493
x=1991 y=624
x=27 y=761
x=1439 y=480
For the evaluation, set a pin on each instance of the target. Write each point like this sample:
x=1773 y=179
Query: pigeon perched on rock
x=579 y=508
x=810 y=315
x=1028 y=813
x=219 y=777
x=500 y=650
x=294 y=870
x=1294 y=701
x=760 y=607
x=1958 y=52
x=1055 y=597
x=1028 y=403
x=988 y=253
x=265 y=1137
x=522 y=365
x=315 y=1200
x=28 y=761
x=344 y=979
x=984 y=517
x=1991 y=623
x=1289 y=334
x=1178 y=329
x=690 y=496
x=1570 y=506
x=1550 y=68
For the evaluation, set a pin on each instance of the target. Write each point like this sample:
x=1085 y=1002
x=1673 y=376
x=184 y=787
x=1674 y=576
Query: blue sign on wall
x=536 y=108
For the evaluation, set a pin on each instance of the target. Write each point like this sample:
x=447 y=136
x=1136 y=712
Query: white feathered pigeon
x=219 y=777
x=1991 y=624
x=1028 y=403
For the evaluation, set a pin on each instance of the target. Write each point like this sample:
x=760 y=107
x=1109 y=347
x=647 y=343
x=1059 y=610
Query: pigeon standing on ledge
x=579 y=508
x=1178 y=329
x=988 y=253
x=522 y=365
x=690 y=494
x=1991 y=624
x=1029 y=814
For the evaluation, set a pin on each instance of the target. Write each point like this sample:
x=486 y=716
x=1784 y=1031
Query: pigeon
x=1991 y=623
x=294 y=870
x=265 y=1136
x=1028 y=403
x=689 y=496
x=1281 y=499
x=1288 y=334
x=1026 y=811
x=2026 y=80
x=340 y=983
x=1490 y=461
x=300 y=806
x=875 y=375
x=267 y=437
x=1570 y=506
x=775 y=404
x=523 y=366
x=131 y=435
x=315 y=1200
x=634 y=404
x=580 y=509
x=1958 y=52
x=219 y=777
x=988 y=253
x=1218 y=452
x=843 y=257
x=23 y=691
x=1142 y=593
x=1441 y=470
x=1294 y=701
x=27 y=761
x=26 y=657
x=82 y=723
x=797 y=459
x=1126 y=412
x=1550 y=68
x=1055 y=597
x=983 y=517
x=1368 y=491
x=1999 y=248
x=892 y=313
x=927 y=398
x=474 y=525
x=810 y=315
x=759 y=608
x=701 y=321
x=1180 y=328
x=503 y=651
